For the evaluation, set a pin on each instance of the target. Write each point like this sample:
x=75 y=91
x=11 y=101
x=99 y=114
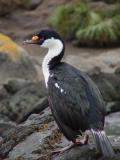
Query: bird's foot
x=71 y=145
x=62 y=150
x=77 y=142
x=82 y=140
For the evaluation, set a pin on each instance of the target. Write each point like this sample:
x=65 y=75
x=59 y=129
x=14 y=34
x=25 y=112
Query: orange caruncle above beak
x=34 y=38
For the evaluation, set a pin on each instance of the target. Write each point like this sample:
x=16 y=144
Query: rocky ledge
x=28 y=130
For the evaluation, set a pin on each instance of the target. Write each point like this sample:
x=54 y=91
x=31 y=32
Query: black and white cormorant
x=75 y=101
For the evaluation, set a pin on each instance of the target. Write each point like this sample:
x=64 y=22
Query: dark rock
x=5 y=7
x=6 y=130
x=31 y=145
x=38 y=136
x=78 y=153
x=3 y=93
x=24 y=101
x=9 y=6
x=109 y=85
x=83 y=153
x=1 y=140
x=22 y=69
x=4 y=118
x=117 y=71
x=113 y=124
x=14 y=85
x=113 y=107
x=4 y=108
x=20 y=98
x=31 y=98
x=112 y=127
x=32 y=4
x=12 y=136
x=30 y=140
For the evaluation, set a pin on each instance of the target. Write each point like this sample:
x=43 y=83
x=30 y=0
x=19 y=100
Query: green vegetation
x=88 y=25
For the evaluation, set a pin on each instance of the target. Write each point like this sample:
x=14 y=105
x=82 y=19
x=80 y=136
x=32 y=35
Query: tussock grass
x=87 y=25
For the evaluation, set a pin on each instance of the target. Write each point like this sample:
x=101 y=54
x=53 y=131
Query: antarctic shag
x=75 y=101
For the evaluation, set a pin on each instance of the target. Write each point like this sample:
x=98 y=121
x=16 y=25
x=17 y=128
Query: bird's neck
x=52 y=58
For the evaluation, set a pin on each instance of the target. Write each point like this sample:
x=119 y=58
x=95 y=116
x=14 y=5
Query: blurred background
x=91 y=30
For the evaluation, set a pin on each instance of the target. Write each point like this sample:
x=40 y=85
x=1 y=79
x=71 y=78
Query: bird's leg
x=85 y=139
x=82 y=141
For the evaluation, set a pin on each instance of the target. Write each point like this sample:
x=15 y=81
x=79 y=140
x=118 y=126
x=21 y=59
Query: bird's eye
x=42 y=38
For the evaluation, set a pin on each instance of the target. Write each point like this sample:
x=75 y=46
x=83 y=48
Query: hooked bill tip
x=27 y=42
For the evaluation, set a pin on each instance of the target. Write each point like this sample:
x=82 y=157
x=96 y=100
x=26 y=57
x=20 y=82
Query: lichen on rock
x=15 y=61
x=9 y=47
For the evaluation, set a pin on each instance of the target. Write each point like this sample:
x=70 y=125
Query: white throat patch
x=55 y=47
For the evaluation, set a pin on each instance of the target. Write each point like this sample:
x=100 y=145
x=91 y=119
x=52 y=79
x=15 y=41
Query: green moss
x=104 y=32
x=87 y=25
x=67 y=19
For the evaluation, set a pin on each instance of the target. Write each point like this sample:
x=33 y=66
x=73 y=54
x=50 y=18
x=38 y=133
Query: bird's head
x=45 y=38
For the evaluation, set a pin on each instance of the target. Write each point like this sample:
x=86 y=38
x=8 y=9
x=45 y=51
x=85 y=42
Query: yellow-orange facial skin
x=35 y=38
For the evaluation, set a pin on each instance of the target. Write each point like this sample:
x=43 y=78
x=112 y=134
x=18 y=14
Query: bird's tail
x=102 y=143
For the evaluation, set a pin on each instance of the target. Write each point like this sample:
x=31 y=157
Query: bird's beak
x=29 y=42
x=33 y=40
